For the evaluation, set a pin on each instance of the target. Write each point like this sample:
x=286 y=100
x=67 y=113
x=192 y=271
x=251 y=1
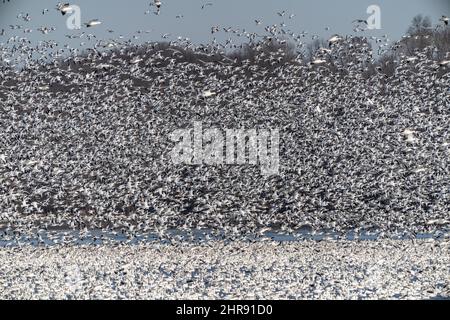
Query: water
x=99 y=237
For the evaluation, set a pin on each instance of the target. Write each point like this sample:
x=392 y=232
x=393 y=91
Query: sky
x=127 y=17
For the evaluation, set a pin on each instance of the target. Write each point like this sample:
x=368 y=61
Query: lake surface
x=99 y=237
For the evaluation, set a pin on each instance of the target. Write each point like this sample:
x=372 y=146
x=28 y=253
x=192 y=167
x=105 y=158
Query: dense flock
x=241 y=270
x=364 y=145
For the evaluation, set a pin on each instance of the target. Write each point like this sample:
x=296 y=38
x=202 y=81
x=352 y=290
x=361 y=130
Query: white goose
x=334 y=39
x=93 y=23
x=318 y=61
x=208 y=94
x=64 y=8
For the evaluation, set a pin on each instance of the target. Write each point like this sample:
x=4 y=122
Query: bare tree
x=420 y=25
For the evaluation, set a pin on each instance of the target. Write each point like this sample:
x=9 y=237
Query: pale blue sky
x=126 y=17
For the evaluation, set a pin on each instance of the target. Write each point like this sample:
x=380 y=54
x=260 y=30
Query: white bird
x=334 y=39
x=409 y=135
x=445 y=20
x=93 y=23
x=136 y=60
x=438 y=222
x=419 y=170
x=324 y=50
x=318 y=61
x=208 y=93
x=63 y=8
x=206 y=5
x=411 y=59
x=408 y=132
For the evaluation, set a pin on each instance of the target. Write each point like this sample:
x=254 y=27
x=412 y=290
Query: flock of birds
x=235 y=271
x=85 y=135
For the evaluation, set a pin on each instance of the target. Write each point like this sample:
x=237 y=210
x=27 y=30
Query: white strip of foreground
x=266 y=270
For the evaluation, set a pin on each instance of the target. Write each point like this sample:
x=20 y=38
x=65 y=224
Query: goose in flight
x=360 y=21
x=64 y=8
x=318 y=61
x=324 y=50
x=157 y=4
x=206 y=5
x=408 y=132
x=445 y=20
x=24 y=16
x=208 y=94
x=411 y=59
x=334 y=39
x=93 y=23
x=136 y=60
x=46 y=30
x=214 y=29
x=409 y=135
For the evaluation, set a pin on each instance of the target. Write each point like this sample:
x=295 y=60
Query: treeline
x=422 y=41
